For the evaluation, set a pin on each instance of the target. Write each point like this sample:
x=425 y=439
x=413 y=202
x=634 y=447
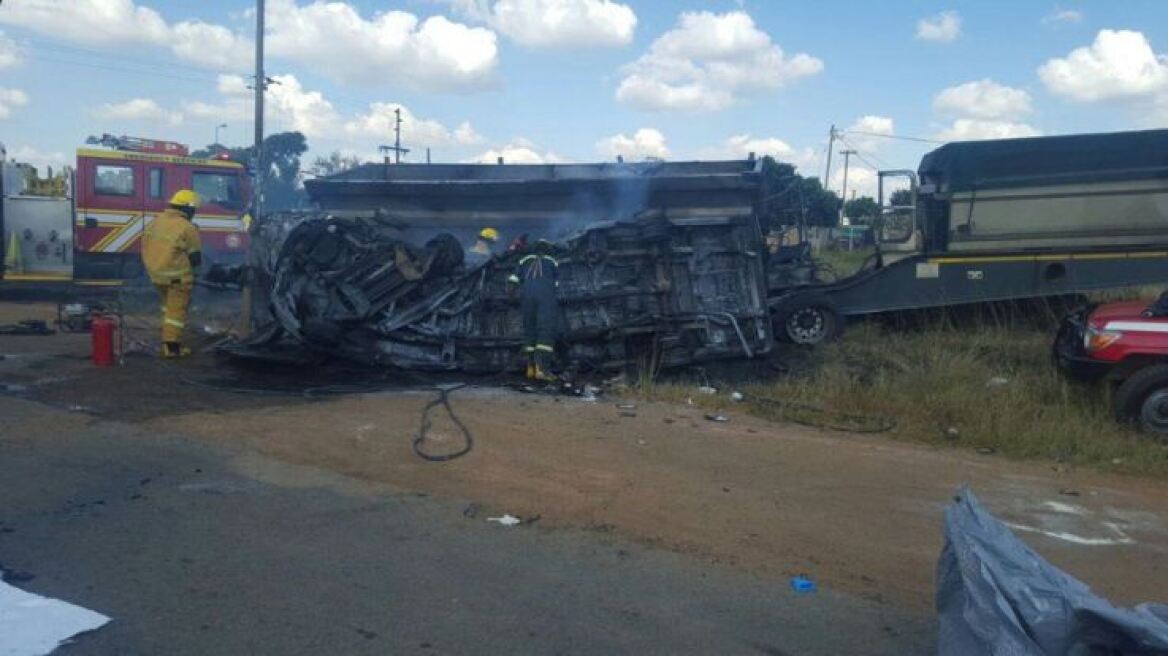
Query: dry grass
x=935 y=384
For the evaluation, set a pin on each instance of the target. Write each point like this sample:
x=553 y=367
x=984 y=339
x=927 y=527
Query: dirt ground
x=856 y=513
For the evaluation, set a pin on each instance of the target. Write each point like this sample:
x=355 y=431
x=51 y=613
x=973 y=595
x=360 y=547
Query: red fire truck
x=116 y=191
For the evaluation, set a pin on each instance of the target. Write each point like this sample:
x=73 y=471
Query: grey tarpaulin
x=997 y=596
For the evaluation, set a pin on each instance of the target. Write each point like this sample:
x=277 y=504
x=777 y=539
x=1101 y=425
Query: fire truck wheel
x=1143 y=399
x=808 y=319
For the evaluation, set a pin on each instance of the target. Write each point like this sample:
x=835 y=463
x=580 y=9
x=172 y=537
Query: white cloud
x=945 y=27
x=861 y=180
x=1063 y=16
x=210 y=45
x=291 y=106
x=740 y=146
x=9 y=52
x=707 y=63
x=983 y=99
x=118 y=23
x=38 y=158
x=378 y=123
x=556 y=23
x=10 y=99
x=646 y=142
x=95 y=22
x=138 y=109
x=393 y=47
x=865 y=133
x=519 y=151
x=1118 y=65
x=971 y=129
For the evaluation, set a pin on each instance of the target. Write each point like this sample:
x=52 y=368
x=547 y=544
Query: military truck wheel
x=1143 y=399
x=808 y=319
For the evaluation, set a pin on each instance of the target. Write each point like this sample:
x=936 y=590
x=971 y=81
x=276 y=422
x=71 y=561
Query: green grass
x=935 y=385
x=842 y=262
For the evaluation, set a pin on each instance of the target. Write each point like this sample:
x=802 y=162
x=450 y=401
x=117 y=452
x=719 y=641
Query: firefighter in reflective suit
x=536 y=277
x=172 y=253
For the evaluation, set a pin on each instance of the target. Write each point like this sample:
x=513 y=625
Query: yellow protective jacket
x=167 y=245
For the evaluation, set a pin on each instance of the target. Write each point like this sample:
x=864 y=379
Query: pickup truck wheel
x=1143 y=399
x=808 y=319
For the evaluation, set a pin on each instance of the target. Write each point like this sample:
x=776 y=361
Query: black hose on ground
x=443 y=399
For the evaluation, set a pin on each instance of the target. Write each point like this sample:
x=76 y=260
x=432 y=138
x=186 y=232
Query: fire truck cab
x=116 y=191
x=121 y=189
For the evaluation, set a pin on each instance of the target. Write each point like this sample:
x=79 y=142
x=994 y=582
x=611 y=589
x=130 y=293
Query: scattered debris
x=717 y=417
x=471 y=511
x=33 y=327
x=803 y=585
x=506 y=520
x=706 y=389
x=952 y=433
x=737 y=397
x=986 y=450
x=1069 y=492
x=997 y=381
x=1117 y=461
x=626 y=406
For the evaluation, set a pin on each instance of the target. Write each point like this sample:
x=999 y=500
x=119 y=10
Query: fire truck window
x=157 y=189
x=219 y=189
x=114 y=180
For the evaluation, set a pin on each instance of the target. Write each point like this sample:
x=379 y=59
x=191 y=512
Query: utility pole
x=397 y=135
x=847 y=160
x=830 y=147
x=217 y=129
x=397 y=149
x=261 y=84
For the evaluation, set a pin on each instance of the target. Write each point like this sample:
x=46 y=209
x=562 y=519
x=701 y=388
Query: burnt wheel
x=808 y=319
x=1143 y=399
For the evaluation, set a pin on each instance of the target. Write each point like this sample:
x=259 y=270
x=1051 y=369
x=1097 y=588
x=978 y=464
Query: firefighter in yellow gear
x=172 y=253
x=484 y=247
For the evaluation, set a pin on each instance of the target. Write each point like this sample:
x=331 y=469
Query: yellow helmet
x=489 y=234
x=185 y=198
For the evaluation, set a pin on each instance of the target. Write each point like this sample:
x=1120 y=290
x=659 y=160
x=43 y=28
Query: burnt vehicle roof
x=455 y=195
x=1034 y=161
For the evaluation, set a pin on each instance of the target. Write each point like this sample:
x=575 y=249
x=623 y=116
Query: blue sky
x=581 y=80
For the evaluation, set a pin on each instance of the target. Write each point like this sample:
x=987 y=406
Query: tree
x=282 y=153
x=789 y=198
x=864 y=207
x=901 y=197
x=335 y=163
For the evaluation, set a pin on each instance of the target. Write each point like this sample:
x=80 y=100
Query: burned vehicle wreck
x=674 y=279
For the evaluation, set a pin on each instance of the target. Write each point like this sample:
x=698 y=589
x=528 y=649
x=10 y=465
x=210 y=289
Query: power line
x=894 y=136
x=122 y=69
x=89 y=52
x=858 y=153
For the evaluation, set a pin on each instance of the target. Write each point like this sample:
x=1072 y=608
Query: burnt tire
x=808 y=319
x=1142 y=399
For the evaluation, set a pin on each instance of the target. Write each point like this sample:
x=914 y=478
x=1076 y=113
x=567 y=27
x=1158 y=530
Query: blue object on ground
x=995 y=595
x=802 y=585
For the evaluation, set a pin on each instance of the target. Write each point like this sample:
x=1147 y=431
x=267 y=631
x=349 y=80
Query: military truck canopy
x=1040 y=161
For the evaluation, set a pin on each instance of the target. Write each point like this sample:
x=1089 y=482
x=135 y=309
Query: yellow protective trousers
x=176 y=297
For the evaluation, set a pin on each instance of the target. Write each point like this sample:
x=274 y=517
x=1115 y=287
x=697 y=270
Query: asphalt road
x=193 y=549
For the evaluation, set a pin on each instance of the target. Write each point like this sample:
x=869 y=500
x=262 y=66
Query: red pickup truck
x=1125 y=344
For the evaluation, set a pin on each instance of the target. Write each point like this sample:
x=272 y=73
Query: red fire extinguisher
x=104 y=332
